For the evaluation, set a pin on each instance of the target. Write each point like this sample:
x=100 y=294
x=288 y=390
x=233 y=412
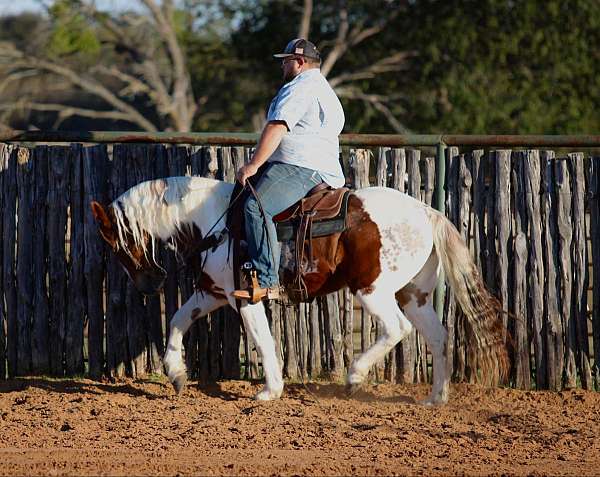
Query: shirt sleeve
x=290 y=105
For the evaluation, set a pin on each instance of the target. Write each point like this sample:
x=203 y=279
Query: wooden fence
x=68 y=309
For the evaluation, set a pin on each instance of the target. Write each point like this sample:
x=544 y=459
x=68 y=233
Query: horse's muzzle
x=150 y=284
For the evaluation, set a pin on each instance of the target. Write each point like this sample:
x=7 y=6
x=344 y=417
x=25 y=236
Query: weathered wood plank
x=75 y=317
x=290 y=350
x=463 y=224
x=96 y=166
x=518 y=289
x=478 y=192
x=428 y=180
x=138 y=170
x=348 y=323
x=303 y=339
x=4 y=151
x=214 y=345
x=580 y=270
x=398 y=165
x=562 y=182
x=535 y=269
x=334 y=346
x=9 y=193
x=456 y=349
x=314 y=344
x=25 y=240
x=503 y=227
x=410 y=345
x=154 y=156
x=491 y=259
x=594 y=210
x=381 y=178
x=58 y=200
x=116 y=311
x=552 y=330
x=231 y=343
x=360 y=161
x=39 y=326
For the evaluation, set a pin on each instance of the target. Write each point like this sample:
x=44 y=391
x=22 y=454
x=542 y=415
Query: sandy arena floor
x=140 y=428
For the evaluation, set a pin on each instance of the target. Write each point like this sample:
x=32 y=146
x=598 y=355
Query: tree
x=133 y=66
x=357 y=42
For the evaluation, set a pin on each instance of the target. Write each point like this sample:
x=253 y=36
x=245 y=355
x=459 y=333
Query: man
x=300 y=142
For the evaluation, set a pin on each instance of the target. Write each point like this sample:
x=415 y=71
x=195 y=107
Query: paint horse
x=390 y=256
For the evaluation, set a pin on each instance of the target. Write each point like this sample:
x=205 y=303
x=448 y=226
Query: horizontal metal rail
x=249 y=139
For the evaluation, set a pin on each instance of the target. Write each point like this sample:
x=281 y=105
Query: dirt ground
x=142 y=428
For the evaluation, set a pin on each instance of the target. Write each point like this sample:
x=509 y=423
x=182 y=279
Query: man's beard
x=287 y=77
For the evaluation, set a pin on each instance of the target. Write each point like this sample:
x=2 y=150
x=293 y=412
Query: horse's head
x=132 y=254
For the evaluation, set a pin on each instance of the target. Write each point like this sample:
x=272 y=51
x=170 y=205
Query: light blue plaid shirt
x=315 y=118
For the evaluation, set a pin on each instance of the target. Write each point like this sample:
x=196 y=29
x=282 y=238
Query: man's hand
x=245 y=172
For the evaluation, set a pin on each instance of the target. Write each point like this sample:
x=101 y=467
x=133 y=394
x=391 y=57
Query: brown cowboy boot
x=254 y=293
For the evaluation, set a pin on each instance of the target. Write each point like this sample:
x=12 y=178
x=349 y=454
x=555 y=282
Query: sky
x=11 y=7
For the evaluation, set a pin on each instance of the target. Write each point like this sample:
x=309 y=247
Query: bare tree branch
x=377 y=102
x=385 y=65
x=340 y=45
x=347 y=38
x=304 y=30
x=63 y=111
x=186 y=107
x=16 y=76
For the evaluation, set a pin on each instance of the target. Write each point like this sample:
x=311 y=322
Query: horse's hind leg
x=197 y=306
x=394 y=325
x=416 y=301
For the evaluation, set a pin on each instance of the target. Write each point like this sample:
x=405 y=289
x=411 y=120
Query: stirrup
x=254 y=293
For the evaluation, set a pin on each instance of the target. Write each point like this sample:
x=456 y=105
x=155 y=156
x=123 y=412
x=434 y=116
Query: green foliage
x=492 y=66
x=71 y=33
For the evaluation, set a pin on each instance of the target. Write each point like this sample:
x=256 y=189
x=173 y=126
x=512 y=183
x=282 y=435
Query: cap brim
x=283 y=55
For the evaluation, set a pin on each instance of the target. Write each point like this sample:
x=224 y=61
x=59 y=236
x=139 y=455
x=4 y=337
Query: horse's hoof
x=266 y=395
x=179 y=383
x=432 y=402
x=352 y=388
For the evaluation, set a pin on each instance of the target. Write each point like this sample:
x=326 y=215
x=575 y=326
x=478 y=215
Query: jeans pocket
x=316 y=178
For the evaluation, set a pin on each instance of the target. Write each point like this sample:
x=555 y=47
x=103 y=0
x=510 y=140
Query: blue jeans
x=280 y=186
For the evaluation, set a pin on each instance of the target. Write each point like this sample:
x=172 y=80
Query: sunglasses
x=288 y=59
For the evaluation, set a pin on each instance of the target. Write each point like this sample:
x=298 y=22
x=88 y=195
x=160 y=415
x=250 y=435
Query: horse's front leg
x=257 y=325
x=199 y=304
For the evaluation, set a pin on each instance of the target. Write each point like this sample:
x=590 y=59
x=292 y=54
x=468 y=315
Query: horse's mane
x=161 y=208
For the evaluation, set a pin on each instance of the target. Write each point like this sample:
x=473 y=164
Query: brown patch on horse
x=347 y=259
x=410 y=291
x=196 y=313
x=205 y=283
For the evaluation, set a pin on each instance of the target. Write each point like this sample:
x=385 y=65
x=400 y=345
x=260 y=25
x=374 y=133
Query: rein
x=210 y=241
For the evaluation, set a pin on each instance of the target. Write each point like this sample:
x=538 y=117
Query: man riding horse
x=300 y=144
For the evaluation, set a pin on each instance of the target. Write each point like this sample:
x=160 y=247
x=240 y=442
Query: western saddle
x=322 y=212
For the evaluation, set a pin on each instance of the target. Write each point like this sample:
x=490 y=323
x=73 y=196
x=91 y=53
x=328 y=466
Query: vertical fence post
x=440 y=201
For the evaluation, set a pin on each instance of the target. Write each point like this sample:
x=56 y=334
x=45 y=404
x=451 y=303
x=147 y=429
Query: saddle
x=322 y=212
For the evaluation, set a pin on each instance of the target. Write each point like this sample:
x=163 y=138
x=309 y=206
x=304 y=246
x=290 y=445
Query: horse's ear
x=102 y=219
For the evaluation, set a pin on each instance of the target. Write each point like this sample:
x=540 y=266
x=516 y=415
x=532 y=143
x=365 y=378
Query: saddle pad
x=286 y=230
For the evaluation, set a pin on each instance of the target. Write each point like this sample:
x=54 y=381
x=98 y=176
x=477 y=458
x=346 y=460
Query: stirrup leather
x=254 y=293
